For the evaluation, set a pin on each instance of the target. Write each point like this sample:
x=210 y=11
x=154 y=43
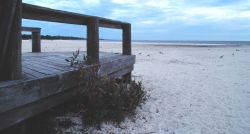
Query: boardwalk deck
x=31 y=83
x=48 y=81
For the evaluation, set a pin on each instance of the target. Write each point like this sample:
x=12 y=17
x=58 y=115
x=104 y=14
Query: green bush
x=109 y=100
x=100 y=100
x=105 y=100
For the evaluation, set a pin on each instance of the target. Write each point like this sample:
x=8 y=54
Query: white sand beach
x=192 y=90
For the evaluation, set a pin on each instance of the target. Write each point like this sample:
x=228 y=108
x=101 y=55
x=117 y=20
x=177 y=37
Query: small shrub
x=105 y=100
x=109 y=100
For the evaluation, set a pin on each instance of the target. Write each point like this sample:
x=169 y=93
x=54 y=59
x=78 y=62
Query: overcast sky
x=157 y=19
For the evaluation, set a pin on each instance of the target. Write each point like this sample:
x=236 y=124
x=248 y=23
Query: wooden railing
x=35 y=37
x=11 y=13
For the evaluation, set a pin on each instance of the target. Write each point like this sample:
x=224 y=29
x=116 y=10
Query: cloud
x=158 y=15
x=91 y=2
x=71 y=5
x=167 y=11
x=124 y=1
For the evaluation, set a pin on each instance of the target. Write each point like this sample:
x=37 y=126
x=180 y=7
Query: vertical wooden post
x=10 y=39
x=36 y=41
x=126 y=39
x=93 y=41
x=126 y=46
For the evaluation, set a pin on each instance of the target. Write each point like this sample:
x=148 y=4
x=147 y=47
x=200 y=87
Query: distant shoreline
x=170 y=43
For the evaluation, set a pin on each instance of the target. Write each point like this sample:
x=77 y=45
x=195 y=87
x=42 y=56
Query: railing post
x=93 y=40
x=10 y=39
x=126 y=46
x=36 y=41
x=126 y=39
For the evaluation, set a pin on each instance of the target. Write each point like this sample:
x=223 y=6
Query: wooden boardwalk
x=38 y=65
x=31 y=83
x=48 y=81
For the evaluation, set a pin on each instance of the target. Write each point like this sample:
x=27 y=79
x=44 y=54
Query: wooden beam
x=46 y=14
x=93 y=41
x=31 y=29
x=10 y=39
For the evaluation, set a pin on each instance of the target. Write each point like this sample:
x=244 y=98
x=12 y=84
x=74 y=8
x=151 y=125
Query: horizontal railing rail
x=47 y=14
x=31 y=29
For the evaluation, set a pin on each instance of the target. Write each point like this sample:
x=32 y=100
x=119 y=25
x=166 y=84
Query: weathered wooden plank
x=118 y=64
x=27 y=75
x=21 y=113
x=60 y=64
x=59 y=61
x=121 y=72
x=49 y=65
x=23 y=93
x=93 y=41
x=47 y=14
x=33 y=72
x=9 y=83
x=40 y=68
x=10 y=41
x=31 y=29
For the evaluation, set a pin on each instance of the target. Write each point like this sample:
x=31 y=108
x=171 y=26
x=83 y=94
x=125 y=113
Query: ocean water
x=237 y=43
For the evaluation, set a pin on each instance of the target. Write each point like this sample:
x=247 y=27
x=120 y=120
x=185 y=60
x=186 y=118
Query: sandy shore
x=193 y=89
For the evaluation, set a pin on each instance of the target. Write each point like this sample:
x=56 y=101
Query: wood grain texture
x=126 y=39
x=10 y=41
x=36 y=41
x=93 y=41
x=126 y=46
x=31 y=29
x=47 y=14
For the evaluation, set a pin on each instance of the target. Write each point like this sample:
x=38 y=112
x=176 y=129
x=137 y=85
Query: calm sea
x=195 y=42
